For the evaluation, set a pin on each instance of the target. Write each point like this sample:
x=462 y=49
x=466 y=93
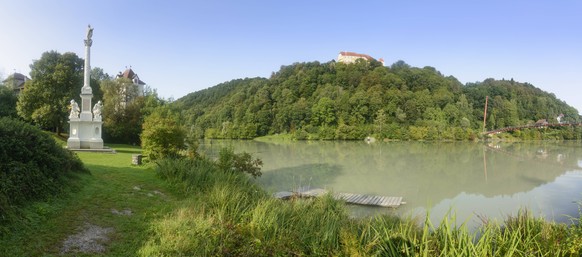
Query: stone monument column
x=86 y=91
x=85 y=128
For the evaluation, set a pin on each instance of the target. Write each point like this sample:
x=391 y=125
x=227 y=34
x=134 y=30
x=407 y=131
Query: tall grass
x=226 y=214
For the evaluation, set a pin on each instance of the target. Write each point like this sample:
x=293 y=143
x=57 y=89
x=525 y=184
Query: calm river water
x=473 y=180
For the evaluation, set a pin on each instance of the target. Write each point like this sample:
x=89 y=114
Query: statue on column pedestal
x=97 y=110
x=89 y=41
x=74 y=110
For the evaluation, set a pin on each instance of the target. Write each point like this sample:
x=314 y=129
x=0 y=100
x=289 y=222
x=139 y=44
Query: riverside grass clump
x=32 y=167
x=225 y=213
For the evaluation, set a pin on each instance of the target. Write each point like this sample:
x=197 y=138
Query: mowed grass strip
x=116 y=195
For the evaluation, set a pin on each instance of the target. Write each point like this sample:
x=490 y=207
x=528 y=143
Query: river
x=475 y=181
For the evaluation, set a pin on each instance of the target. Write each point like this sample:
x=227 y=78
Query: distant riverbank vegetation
x=338 y=101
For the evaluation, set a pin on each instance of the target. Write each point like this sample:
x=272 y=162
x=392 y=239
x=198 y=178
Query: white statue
x=74 y=110
x=97 y=110
x=89 y=41
x=89 y=32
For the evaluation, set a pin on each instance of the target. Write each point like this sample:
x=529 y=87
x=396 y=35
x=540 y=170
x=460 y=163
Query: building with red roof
x=351 y=57
x=131 y=75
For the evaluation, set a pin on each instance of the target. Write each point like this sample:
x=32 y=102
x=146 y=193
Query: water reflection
x=492 y=180
x=310 y=175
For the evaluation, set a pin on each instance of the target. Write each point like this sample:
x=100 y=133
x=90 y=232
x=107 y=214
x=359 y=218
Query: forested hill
x=352 y=101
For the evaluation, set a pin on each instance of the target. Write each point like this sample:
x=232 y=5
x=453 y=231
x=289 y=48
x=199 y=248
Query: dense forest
x=353 y=101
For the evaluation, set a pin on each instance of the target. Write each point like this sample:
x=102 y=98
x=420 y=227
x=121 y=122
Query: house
x=542 y=122
x=131 y=75
x=351 y=57
x=16 y=82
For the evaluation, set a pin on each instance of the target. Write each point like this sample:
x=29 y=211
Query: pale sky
x=179 y=47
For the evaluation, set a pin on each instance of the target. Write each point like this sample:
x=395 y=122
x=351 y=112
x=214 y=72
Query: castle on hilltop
x=351 y=57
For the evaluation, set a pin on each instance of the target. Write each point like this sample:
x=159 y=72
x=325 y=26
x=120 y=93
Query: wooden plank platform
x=370 y=200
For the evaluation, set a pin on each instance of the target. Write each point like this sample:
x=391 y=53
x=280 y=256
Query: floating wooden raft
x=371 y=200
x=374 y=200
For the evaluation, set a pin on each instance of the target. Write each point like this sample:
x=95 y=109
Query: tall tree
x=98 y=76
x=124 y=110
x=55 y=80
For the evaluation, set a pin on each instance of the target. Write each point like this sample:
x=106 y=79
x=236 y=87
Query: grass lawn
x=117 y=196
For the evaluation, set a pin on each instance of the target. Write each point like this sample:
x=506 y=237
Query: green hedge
x=32 y=165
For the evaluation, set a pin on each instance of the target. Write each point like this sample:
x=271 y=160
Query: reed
x=226 y=214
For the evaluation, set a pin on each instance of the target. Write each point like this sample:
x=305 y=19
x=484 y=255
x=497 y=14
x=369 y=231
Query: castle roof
x=351 y=56
x=17 y=78
x=129 y=74
x=365 y=56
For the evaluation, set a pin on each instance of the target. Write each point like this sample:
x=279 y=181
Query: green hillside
x=352 y=101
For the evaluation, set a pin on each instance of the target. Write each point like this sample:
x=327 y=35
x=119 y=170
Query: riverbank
x=526 y=134
x=197 y=210
x=230 y=216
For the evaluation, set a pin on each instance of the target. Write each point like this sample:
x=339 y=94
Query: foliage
x=32 y=165
x=55 y=80
x=7 y=102
x=163 y=134
x=243 y=162
x=192 y=144
x=124 y=110
x=352 y=101
x=512 y=103
x=97 y=77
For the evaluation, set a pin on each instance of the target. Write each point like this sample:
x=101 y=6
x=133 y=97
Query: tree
x=121 y=118
x=55 y=80
x=379 y=122
x=124 y=110
x=98 y=76
x=323 y=113
x=342 y=101
x=163 y=135
x=7 y=102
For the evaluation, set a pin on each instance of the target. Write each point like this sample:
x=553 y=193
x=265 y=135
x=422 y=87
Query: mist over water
x=473 y=180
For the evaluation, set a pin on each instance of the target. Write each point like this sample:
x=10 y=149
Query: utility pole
x=485 y=113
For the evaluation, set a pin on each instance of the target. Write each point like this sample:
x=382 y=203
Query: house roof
x=18 y=79
x=130 y=74
x=357 y=55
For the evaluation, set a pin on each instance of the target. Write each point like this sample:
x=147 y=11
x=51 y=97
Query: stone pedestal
x=85 y=134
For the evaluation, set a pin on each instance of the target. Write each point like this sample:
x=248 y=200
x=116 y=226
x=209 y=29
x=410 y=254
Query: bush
x=32 y=165
x=162 y=136
x=7 y=102
x=243 y=162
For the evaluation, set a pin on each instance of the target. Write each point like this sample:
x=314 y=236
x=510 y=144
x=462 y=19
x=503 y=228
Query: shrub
x=162 y=135
x=243 y=162
x=32 y=165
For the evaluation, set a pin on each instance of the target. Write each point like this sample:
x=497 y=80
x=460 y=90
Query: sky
x=179 y=47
